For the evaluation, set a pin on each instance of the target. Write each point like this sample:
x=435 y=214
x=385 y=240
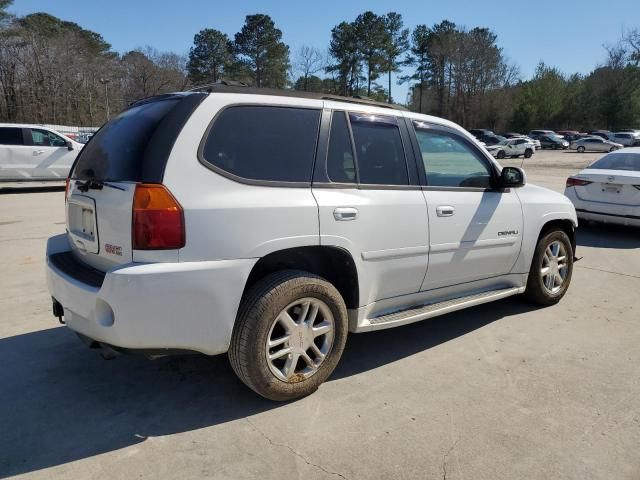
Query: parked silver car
x=595 y=144
x=625 y=138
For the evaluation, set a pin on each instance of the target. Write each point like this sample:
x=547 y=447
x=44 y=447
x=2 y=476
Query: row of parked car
x=501 y=146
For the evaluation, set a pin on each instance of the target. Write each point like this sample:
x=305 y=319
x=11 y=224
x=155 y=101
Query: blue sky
x=567 y=34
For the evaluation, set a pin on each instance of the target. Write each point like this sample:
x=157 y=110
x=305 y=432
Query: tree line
x=55 y=71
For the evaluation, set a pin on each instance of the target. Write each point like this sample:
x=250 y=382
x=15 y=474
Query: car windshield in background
x=618 y=161
x=116 y=151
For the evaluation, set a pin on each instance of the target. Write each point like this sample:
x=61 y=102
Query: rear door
x=370 y=203
x=474 y=229
x=15 y=157
x=132 y=148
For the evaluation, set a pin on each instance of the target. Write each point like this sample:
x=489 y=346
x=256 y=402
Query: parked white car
x=33 y=152
x=270 y=225
x=512 y=148
x=609 y=189
x=595 y=144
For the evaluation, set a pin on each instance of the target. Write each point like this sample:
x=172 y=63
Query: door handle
x=344 y=214
x=38 y=152
x=445 y=211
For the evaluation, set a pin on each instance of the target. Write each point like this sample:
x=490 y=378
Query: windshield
x=618 y=161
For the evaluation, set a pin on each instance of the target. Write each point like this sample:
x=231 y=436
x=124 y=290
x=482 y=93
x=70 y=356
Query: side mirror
x=512 y=177
x=69 y=145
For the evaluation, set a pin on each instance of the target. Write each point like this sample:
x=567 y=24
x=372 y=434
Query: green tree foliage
x=260 y=48
x=343 y=48
x=395 y=45
x=371 y=39
x=209 y=57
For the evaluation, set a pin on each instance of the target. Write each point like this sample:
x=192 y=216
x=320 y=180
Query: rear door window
x=263 y=143
x=379 y=150
x=11 y=136
x=340 y=162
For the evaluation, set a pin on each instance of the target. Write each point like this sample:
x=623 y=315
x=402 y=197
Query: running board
x=416 y=314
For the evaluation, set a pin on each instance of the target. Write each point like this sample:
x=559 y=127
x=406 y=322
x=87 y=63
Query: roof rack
x=227 y=86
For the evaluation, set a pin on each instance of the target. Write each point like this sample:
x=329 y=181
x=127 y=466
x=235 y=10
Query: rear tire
x=276 y=348
x=501 y=154
x=551 y=269
x=580 y=149
x=528 y=153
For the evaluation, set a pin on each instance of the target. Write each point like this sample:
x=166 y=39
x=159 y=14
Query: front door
x=475 y=231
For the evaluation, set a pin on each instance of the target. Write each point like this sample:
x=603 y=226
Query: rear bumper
x=183 y=306
x=604 y=212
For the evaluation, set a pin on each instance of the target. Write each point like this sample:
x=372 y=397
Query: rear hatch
x=132 y=148
x=610 y=186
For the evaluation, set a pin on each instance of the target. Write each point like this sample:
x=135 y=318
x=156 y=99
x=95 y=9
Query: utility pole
x=105 y=82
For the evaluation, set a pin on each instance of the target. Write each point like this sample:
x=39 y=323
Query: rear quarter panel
x=226 y=219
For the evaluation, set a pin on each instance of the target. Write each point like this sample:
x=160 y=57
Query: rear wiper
x=96 y=185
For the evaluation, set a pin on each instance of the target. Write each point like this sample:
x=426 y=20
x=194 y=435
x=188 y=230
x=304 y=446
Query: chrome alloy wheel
x=299 y=340
x=554 y=268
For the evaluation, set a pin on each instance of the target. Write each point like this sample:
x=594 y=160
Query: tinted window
x=44 y=138
x=116 y=151
x=379 y=150
x=11 y=136
x=450 y=162
x=619 y=161
x=340 y=164
x=264 y=143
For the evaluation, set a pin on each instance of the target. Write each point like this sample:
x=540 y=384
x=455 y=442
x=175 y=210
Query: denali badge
x=507 y=232
x=113 y=249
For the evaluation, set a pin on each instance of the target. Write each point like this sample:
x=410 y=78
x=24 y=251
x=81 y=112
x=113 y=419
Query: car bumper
x=182 y=306
x=604 y=212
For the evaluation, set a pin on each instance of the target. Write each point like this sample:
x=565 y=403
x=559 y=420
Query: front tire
x=551 y=269
x=290 y=333
x=501 y=154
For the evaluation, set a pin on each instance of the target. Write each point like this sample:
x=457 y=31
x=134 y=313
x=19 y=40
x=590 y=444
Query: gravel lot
x=501 y=391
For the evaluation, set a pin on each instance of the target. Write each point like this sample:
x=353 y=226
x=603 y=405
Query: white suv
x=269 y=224
x=35 y=152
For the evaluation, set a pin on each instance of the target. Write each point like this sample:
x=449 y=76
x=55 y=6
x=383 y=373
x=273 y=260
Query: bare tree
x=308 y=61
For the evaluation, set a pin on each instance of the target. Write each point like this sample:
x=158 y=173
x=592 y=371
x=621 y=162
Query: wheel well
x=334 y=264
x=565 y=225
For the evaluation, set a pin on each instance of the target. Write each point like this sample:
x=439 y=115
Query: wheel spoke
x=313 y=313
x=290 y=365
x=316 y=351
x=558 y=279
x=549 y=281
x=544 y=271
x=321 y=329
x=279 y=353
x=287 y=322
x=307 y=359
x=302 y=317
x=278 y=341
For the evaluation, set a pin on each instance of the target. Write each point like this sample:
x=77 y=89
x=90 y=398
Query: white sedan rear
x=609 y=189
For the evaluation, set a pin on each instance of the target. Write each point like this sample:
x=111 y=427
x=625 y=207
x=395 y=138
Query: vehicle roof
x=235 y=88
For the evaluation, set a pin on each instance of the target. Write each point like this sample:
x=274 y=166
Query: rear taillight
x=577 y=182
x=158 y=219
x=66 y=189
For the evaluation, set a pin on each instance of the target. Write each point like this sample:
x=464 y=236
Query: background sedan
x=595 y=144
x=609 y=189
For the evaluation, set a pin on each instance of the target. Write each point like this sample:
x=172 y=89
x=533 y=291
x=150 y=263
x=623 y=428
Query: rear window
x=264 y=143
x=11 y=136
x=618 y=161
x=116 y=151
